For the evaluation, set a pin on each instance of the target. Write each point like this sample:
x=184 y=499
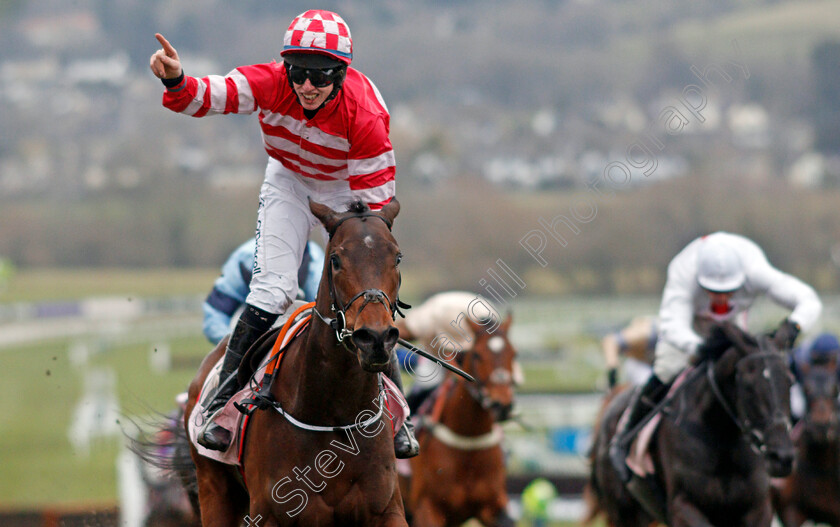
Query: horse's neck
x=819 y=453
x=711 y=411
x=464 y=415
x=327 y=378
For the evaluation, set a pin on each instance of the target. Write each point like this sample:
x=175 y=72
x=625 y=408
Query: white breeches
x=284 y=224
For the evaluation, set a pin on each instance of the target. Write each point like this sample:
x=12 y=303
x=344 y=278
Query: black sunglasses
x=318 y=78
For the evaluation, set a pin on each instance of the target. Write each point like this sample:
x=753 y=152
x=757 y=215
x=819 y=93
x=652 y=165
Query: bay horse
x=718 y=442
x=326 y=456
x=812 y=491
x=460 y=472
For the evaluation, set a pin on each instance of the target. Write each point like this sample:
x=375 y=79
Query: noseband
x=478 y=388
x=369 y=296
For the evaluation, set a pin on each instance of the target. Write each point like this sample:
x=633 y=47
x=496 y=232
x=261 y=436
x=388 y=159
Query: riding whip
x=424 y=353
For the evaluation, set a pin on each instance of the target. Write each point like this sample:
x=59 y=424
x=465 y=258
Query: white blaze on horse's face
x=368 y=241
x=496 y=344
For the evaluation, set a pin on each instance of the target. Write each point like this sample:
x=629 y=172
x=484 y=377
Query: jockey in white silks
x=715 y=278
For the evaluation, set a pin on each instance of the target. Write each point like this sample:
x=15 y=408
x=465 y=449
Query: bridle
x=478 y=388
x=368 y=296
x=753 y=431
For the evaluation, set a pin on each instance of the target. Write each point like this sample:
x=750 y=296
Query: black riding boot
x=405 y=444
x=642 y=402
x=251 y=325
x=418 y=395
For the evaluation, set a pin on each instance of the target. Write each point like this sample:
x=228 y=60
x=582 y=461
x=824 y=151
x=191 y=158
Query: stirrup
x=203 y=432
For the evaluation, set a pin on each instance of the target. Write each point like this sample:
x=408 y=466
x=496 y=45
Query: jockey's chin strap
x=369 y=296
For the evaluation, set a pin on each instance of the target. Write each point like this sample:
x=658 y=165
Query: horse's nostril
x=392 y=335
x=364 y=338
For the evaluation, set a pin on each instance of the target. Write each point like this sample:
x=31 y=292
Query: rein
x=477 y=389
x=338 y=324
x=445 y=435
x=747 y=428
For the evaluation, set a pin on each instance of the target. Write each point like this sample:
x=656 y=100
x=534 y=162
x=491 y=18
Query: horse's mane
x=357 y=206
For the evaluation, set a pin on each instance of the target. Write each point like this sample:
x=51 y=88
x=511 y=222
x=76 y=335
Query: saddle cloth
x=235 y=421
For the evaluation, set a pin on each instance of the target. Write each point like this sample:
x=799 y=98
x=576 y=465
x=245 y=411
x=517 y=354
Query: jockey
x=824 y=349
x=636 y=342
x=231 y=288
x=325 y=128
x=714 y=278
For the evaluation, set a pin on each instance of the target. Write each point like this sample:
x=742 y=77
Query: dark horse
x=812 y=491
x=460 y=472
x=324 y=454
x=715 y=445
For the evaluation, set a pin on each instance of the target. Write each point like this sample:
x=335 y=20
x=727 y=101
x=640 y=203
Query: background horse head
x=460 y=472
x=491 y=361
x=812 y=491
x=821 y=389
x=717 y=444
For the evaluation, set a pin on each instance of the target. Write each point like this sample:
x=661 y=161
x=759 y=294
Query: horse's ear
x=390 y=211
x=474 y=326
x=508 y=320
x=738 y=337
x=326 y=215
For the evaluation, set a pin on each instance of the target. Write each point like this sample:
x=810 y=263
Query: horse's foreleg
x=685 y=514
x=791 y=517
x=761 y=516
x=223 y=501
x=427 y=515
x=394 y=514
x=495 y=517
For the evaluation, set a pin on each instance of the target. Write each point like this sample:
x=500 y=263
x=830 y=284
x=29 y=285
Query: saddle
x=231 y=417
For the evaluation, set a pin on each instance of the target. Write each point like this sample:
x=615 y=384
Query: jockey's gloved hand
x=612 y=378
x=714 y=346
x=785 y=335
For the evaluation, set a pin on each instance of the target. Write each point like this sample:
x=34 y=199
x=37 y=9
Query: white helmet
x=719 y=268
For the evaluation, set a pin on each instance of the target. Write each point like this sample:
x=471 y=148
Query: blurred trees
x=452 y=233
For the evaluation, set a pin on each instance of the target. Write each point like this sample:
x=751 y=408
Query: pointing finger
x=167 y=47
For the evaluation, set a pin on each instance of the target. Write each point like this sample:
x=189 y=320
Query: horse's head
x=821 y=389
x=762 y=384
x=361 y=280
x=491 y=362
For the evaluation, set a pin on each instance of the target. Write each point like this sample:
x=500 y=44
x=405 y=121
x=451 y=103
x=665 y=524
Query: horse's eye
x=335 y=261
x=399 y=258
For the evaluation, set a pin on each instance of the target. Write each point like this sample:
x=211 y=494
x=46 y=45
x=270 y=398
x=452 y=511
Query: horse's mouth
x=501 y=412
x=779 y=465
x=376 y=366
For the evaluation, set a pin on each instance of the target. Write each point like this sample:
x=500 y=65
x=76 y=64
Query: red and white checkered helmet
x=319 y=32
